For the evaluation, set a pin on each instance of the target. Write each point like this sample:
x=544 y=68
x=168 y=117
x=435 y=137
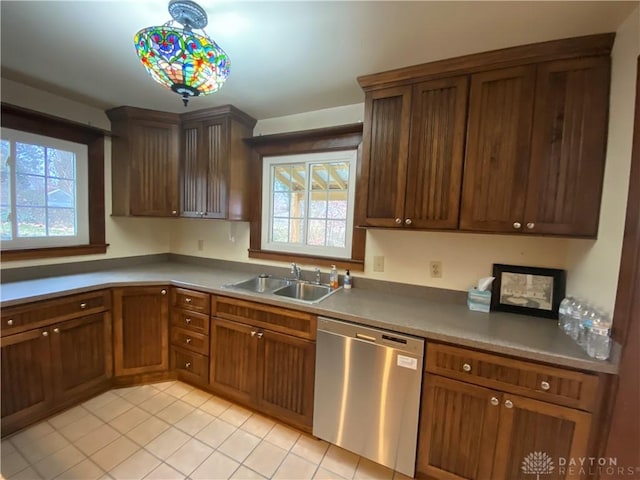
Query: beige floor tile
x=175 y=412
x=294 y=467
x=401 y=476
x=324 y=474
x=97 y=439
x=114 y=453
x=340 y=461
x=196 y=397
x=36 y=450
x=32 y=433
x=27 y=474
x=12 y=463
x=216 y=467
x=122 y=391
x=129 y=419
x=6 y=448
x=136 y=466
x=85 y=470
x=165 y=472
x=372 y=471
x=111 y=410
x=162 y=385
x=194 y=422
x=81 y=427
x=215 y=406
x=258 y=425
x=67 y=417
x=235 y=415
x=244 y=473
x=283 y=437
x=165 y=444
x=147 y=431
x=179 y=389
x=310 y=448
x=58 y=462
x=215 y=433
x=100 y=401
x=140 y=394
x=188 y=457
x=158 y=402
x=239 y=445
x=265 y=458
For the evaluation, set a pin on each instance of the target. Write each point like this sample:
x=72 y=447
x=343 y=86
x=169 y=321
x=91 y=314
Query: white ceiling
x=286 y=57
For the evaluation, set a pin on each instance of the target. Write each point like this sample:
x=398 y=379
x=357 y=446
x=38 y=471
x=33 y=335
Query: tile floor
x=171 y=430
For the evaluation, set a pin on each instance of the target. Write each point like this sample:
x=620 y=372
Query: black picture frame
x=527 y=290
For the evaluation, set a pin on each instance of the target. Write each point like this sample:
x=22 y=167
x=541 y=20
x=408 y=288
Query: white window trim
x=82 y=192
x=349 y=156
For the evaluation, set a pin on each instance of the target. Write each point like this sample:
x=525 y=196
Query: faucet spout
x=296 y=271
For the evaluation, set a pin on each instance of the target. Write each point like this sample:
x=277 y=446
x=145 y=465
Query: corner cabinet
x=215 y=171
x=145 y=162
x=508 y=141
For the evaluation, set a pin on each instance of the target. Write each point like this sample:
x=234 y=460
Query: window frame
x=343 y=137
x=30 y=121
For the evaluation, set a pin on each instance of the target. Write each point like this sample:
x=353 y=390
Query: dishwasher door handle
x=368 y=338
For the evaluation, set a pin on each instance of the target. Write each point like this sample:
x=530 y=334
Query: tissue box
x=479 y=301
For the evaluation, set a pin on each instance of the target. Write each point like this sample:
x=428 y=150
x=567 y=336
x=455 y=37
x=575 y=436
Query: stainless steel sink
x=261 y=284
x=306 y=292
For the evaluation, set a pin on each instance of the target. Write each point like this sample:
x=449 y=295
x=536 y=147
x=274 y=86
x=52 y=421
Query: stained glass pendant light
x=187 y=62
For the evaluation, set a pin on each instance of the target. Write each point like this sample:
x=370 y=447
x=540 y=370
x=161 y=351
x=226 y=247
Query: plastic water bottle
x=589 y=313
x=563 y=313
x=575 y=317
x=598 y=340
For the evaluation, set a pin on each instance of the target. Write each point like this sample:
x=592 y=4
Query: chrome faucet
x=317 y=276
x=296 y=271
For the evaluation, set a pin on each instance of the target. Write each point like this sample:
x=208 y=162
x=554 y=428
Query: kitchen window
x=308 y=203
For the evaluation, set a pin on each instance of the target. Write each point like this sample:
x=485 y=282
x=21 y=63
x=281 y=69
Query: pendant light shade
x=188 y=63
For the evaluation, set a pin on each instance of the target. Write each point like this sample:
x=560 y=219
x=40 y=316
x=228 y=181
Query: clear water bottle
x=589 y=314
x=598 y=340
x=575 y=317
x=563 y=313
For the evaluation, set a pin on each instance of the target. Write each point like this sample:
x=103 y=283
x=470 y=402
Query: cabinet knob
x=398 y=221
x=187 y=321
x=187 y=300
x=495 y=401
x=56 y=330
x=531 y=225
x=188 y=340
x=259 y=334
x=163 y=291
x=253 y=334
x=10 y=322
x=174 y=212
x=508 y=403
x=545 y=385
x=187 y=365
x=517 y=225
x=83 y=306
x=408 y=221
x=466 y=367
x=45 y=334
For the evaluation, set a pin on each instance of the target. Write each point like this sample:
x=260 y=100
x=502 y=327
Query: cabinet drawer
x=195 y=322
x=190 y=300
x=556 y=385
x=38 y=314
x=283 y=320
x=190 y=365
x=190 y=340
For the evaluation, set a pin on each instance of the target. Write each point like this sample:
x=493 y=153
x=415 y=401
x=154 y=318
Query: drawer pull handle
x=163 y=291
x=466 y=367
x=9 y=322
x=508 y=403
x=83 y=305
x=494 y=401
x=45 y=334
x=531 y=225
x=545 y=385
x=188 y=340
x=187 y=365
x=56 y=330
x=187 y=321
x=517 y=225
x=259 y=334
x=187 y=300
x=253 y=333
x=398 y=221
x=408 y=221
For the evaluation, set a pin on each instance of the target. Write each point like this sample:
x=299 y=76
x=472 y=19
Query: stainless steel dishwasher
x=367 y=392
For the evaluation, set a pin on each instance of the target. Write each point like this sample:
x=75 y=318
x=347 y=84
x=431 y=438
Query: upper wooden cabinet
x=145 y=162
x=215 y=171
x=505 y=141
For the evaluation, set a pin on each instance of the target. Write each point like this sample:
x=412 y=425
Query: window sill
x=341 y=263
x=52 y=252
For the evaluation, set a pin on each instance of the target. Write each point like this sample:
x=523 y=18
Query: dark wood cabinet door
x=458 y=426
x=382 y=180
x=27 y=388
x=498 y=150
x=81 y=355
x=286 y=377
x=192 y=172
x=528 y=426
x=434 y=174
x=140 y=330
x=217 y=163
x=233 y=359
x=154 y=169
x=568 y=147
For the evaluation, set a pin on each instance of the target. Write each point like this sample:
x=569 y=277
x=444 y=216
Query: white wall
x=126 y=236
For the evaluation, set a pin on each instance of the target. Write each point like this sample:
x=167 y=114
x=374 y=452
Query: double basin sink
x=284 y=287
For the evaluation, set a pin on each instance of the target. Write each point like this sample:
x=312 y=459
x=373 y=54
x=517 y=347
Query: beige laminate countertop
x=529 y=338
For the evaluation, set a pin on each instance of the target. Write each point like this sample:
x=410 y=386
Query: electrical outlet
x=435 y=269
x=378 y=264
x=200 y=245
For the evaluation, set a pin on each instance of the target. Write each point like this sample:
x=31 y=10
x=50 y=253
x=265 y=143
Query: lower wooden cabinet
x=140 y=330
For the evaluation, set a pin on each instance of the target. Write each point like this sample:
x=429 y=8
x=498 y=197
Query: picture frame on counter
x=528 y=290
